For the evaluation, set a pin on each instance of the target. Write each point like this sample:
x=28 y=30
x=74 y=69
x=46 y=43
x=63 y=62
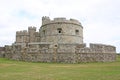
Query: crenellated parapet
x=26 y=36
x=103 y=48
x=31 y=28
x=47 y=20
x=22 y=33
x=96 y=48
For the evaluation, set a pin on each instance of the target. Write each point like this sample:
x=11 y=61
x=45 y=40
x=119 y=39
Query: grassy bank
x=17 y=70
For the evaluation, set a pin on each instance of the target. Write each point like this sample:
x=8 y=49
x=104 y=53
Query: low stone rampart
x=62 y=53
x=95 y=57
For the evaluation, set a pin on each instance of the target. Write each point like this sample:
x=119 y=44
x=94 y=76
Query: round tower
x=61 y=30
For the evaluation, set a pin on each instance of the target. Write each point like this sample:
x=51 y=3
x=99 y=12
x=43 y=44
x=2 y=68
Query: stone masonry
x=58 y=40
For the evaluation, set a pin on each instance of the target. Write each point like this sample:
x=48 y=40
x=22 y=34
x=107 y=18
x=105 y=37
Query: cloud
x=100 y=18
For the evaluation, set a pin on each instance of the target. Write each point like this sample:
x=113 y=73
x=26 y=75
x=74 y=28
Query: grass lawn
x=18 y=70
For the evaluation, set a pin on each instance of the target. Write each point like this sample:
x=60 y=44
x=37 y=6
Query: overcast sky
x=100 y=18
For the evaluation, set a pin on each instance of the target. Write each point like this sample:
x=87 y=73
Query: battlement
x=96 y=48
x=32 y=28
x=21 y=33
x=25 y=32
x=59 y=19
x=92 y=45
x=47 y=20
x=103 y=48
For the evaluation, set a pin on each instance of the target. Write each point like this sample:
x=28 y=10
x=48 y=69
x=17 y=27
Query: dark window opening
x=77 y=32
x=55 y=45
x=43 y=32
x=59 y=30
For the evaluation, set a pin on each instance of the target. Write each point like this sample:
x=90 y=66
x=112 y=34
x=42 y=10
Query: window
x=43 y=32
x=59 y=30
x=77 y=32
x=55 y=45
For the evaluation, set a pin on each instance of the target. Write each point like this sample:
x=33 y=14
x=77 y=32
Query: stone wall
x=2 y=53
x=101 y=48
x=61 y=30
x=65 y=53
x=95 y=48
x=9 y=52
x=95 y=57
x=25 y=36
x=64 y=57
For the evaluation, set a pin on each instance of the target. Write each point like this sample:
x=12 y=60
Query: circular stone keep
x=61 y=30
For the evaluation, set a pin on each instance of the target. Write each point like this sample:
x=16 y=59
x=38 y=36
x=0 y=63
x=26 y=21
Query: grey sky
x=100 y=18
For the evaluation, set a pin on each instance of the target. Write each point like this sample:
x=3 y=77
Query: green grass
x=18 y=70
